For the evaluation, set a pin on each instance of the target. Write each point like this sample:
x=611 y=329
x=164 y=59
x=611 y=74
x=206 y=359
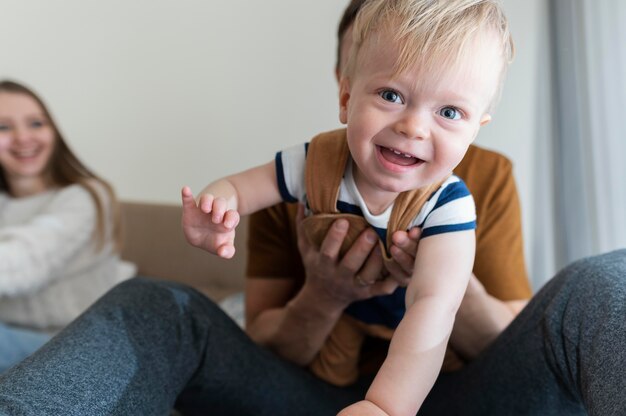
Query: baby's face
x=411 y=129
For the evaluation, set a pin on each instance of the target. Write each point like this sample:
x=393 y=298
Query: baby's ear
x=344 y=98
x=485 y=119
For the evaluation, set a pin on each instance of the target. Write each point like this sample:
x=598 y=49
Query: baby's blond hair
x=440 y=30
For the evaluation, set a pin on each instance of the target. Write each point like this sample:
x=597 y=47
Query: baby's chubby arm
x=443 y=267
x=209 y=220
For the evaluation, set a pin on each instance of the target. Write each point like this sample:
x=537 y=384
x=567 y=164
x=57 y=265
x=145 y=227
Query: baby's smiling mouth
x=397 y=157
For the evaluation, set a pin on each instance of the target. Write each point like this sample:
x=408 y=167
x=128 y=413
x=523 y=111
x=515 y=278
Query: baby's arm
x=442 y=268
x=210 y=222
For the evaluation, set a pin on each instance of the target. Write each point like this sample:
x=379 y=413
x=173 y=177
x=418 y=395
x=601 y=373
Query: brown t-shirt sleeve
x=499 y=265
x=273 y=245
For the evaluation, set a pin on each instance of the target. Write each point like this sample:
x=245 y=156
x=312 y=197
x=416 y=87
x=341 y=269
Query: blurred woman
x=59 y=228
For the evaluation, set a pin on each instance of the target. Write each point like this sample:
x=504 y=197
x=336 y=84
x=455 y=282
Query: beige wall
x=155 y=94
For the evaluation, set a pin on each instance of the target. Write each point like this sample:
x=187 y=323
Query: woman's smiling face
x=27 y=142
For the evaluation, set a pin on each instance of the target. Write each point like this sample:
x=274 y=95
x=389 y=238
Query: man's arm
x=499 y=263
x=480 y=319
x=296 y=325
x=500 y=288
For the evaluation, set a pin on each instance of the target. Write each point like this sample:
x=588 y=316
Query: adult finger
x=331 y=245
x=383 y=287
x=359 y=281
x=359 y=253
x=370 y=272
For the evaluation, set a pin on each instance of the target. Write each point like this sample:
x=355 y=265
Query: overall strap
x=406 y=207
x=326 y=159
x=327 y=155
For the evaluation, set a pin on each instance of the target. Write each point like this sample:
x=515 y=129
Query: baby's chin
x=402 y=186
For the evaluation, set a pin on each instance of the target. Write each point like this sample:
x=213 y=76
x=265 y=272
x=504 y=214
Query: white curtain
x=589 y=131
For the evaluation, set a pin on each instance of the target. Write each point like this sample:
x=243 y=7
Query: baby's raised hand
x=208 y=224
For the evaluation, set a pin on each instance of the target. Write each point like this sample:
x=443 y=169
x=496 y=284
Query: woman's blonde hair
x=64 y=169
x=437 y=29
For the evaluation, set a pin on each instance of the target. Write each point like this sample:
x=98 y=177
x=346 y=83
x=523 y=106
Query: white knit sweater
x=50 y=270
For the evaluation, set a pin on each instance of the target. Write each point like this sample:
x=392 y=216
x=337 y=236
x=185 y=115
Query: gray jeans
x=148 y=346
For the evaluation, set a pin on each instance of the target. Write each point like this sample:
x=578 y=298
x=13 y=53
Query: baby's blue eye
x=36 y=124
x=4 y=127
x=391 y=96
x=450 y=113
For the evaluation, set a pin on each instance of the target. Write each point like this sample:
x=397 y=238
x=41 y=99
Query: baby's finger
x=226 y=251
x=231 y=219
x=219 y=209
x=383 y=287
x=404 y=261
x=415 y=233
x=187 y=197
x=403 y=240
x=206 y=203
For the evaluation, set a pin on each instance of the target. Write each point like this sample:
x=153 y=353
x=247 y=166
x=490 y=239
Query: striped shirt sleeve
x=451 y=208
x=290 y=165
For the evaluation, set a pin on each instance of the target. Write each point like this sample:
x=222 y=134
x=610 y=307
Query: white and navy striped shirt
x=450 y=208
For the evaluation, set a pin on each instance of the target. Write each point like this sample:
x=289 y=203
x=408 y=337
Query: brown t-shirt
x=499 y=264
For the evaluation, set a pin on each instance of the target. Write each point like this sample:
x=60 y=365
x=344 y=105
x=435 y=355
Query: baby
x=421 y=79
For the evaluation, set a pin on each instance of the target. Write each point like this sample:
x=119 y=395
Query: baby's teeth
x=408 y=156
